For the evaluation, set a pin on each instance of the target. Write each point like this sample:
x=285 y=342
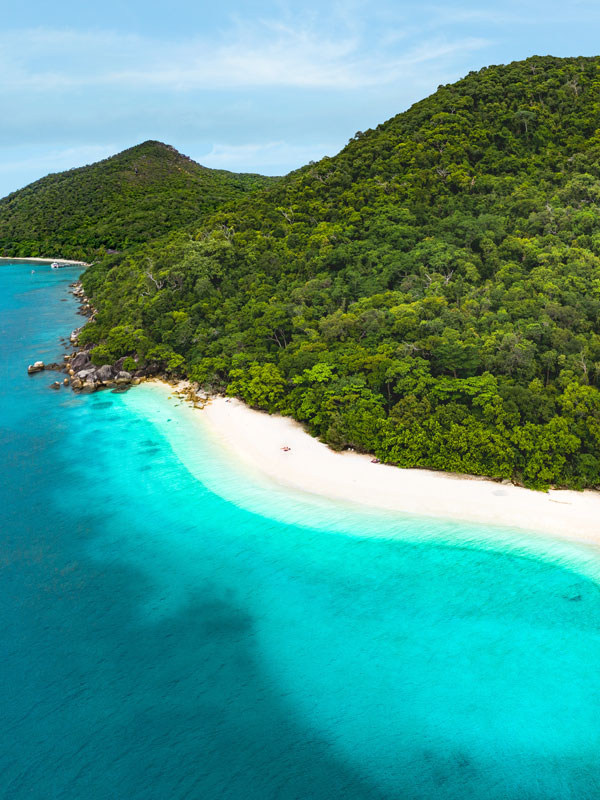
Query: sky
x=261 y=87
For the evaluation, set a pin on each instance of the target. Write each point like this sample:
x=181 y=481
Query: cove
x=173 y=628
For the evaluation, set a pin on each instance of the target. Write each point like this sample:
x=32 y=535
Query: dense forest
x=430 y=295
x=127 y=199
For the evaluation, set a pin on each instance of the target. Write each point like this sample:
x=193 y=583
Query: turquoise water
x=173 y=629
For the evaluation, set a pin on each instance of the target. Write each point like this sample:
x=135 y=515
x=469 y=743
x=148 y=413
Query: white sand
x=310 y=466
x=44 y=260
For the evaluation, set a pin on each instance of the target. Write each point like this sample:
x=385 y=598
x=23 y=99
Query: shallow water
x=174 y=629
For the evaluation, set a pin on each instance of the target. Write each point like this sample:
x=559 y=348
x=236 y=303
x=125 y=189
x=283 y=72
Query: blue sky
x=261 y=87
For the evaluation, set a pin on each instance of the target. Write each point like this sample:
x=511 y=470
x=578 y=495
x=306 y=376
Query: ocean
x=173 y=627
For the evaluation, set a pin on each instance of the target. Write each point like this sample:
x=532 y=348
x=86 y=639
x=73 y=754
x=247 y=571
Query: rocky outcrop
x=86 y=377
x=191 y=392
x=86 y=309
x=152 y=368
x=37 y=366
x=118 y=365
x=104 y=374
x=79 y=361
x=85 y=374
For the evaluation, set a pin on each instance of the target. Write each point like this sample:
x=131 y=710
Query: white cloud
x=265 y=54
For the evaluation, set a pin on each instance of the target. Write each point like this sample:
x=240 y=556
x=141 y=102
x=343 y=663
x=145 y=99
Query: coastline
x=255 y=439
x=49 y=260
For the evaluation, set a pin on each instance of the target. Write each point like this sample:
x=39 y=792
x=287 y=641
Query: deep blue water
x=162 y=640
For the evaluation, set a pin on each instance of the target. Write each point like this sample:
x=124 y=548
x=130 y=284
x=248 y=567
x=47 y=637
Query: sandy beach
x=47 y=259
x=257 y=439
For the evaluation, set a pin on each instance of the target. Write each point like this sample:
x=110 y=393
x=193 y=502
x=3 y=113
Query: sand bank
x=257 y=439
x=48 y=260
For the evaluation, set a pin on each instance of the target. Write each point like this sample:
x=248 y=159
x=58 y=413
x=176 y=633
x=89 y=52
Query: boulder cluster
x=86 y=377
x=189 y=392
x=83 y=375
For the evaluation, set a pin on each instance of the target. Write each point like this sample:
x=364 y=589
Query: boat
x=55 y=265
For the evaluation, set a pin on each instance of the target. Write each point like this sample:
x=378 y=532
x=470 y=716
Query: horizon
x=263 y=93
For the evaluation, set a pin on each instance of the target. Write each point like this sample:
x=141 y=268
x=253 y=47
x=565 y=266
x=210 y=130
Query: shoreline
x=49 y=260
x=254 y=440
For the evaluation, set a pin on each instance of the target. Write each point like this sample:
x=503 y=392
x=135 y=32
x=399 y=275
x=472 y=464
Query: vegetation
x=128 y=199
x=430 y=295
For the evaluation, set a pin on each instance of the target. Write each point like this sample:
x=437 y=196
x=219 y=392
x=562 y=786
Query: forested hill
x=431 y=294
x=127 y=199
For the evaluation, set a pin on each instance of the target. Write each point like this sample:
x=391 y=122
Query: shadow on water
x=101 y=704
x=110 y=706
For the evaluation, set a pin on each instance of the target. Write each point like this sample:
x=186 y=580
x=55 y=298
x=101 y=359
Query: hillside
x=431 y=294
x=127 y=199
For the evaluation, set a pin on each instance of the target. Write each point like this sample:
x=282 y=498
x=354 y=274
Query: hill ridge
x=125 y=199
x=430 y=295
